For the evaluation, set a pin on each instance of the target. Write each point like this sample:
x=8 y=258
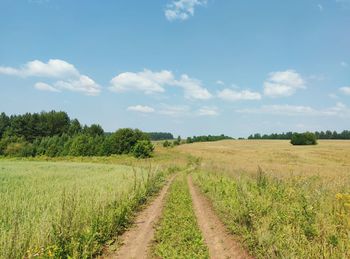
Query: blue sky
x=189 y=67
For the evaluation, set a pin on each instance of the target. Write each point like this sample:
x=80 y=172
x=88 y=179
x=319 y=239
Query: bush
x=306 y=138
x=19 y=149
x=166 y=144
x=143 y=149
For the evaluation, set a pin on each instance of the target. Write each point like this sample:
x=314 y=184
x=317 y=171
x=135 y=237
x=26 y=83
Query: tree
x=160 y=135
x=166 y=143
x=306 y=138
x=74 y=127
x=4 y=123
x=123 y=140
x=94 y=130
x=143 y=149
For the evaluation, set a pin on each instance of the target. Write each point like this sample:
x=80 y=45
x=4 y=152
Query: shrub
x=306 y=138
x=19 y=149
x=143 y=149
x=166 y=144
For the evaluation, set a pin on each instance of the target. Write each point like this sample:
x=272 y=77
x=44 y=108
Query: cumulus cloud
x=345 y=90
x=208 y=111
x=232 y=95
x=146 y=81
x=182 y=9
x=150 y=82
x=54 y=68
x=193 y=88
x=339 y=110
x=283 y=83
x=45 y=87
x=83 y=84
x=66 y=75
x=141 y=108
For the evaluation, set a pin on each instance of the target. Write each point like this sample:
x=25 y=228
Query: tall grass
x=282 y=218
x=67 y=209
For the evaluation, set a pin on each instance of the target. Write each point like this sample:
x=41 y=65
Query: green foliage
x=289 y=218
x=345 y=134
x=53 y=134
x=68 y=210
x=143 y=149
x=306 y=138
x=166 y=143
x=206 y=138
x=124 y=140
x=154 y=136
x=178 y=235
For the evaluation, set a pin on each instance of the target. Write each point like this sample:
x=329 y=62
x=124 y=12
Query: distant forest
x=55 y=134
x=206 y=138
x=319 y=135
x=160 y=135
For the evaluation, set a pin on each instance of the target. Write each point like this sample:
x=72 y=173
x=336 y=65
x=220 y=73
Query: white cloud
x=141 y=108
x=208 y=111
x=344 y=64
x=150 y=82
x=232 y=95
x=345 y=90
x=67 y=76
x=182 y=9
x=339 y=110
x=45 y=87
x=82 y=84
x=283 y=83
x=193 y=88
x=146 y=81
x=219 y=82
x=54 y=68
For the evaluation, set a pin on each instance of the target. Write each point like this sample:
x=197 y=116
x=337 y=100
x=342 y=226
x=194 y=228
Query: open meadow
x=280 y=200
x=276 y=201
x=55 y=209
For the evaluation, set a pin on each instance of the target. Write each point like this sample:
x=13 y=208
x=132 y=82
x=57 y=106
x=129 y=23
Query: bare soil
x=136 y=242
x=221 y=244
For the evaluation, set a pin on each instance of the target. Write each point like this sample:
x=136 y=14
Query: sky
x=189 y=67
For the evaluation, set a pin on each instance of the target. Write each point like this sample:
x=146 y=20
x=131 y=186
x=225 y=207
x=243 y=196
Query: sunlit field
x=330 y=158
x=61 y=208
x=278 y=199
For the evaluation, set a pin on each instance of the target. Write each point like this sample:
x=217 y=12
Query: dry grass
x=275 y=157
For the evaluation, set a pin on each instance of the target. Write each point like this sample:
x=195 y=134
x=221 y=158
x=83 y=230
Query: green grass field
x=296 y=206
x=67 y=208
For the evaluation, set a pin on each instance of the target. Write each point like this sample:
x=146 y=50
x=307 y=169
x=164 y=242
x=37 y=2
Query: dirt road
x=136 y=241
x=219 y=241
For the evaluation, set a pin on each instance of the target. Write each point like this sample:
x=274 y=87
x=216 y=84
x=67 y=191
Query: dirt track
x=219 y=241
x=136 y=241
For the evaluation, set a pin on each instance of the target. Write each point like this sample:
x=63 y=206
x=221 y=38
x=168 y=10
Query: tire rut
x=137 y=240
x=220 y=243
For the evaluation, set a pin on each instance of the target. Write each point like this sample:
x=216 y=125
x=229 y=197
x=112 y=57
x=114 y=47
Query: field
x=276 y=200
x=280 y=200
x=60 y=208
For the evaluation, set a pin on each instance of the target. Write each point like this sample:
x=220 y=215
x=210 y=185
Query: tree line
x=207 y=138
x=160 y=136
x=345 y=134
x=55 y=134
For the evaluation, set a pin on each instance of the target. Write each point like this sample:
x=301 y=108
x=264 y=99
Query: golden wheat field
x=330 y=158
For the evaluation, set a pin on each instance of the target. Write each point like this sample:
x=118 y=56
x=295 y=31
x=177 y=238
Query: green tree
x=306 y=138
x=143 y=149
